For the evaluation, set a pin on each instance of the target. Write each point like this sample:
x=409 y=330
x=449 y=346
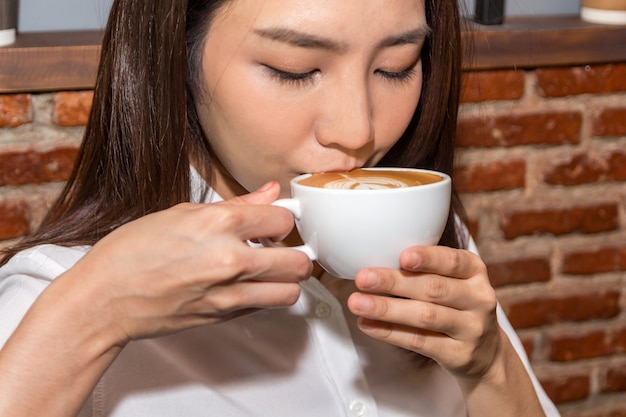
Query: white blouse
x=306 y=360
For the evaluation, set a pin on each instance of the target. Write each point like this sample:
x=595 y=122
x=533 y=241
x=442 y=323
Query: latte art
x=364 y=179
x=365 y=183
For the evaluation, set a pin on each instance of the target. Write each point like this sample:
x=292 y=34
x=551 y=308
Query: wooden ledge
x=56 y=61
x=531 y=42
x=50 y=61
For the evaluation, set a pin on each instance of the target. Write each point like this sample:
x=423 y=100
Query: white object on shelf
x=7 y=36
x=611 y=17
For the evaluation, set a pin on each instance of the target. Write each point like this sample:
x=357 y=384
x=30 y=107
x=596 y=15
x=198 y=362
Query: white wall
x=44 y=15
x=47 y=15
x=532 y=7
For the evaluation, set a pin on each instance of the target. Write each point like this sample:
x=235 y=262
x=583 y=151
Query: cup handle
x=294 y=207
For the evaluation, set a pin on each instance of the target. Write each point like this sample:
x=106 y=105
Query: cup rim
x=446 y=180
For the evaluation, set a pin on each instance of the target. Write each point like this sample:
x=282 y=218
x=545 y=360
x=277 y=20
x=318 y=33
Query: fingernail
x=413 y=259
x=366 y=325
x=370 y=280
x=364 y=304
x=267 y=187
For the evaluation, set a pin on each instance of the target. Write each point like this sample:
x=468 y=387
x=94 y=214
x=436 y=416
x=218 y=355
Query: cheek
x=251 y=109
x=399 y=110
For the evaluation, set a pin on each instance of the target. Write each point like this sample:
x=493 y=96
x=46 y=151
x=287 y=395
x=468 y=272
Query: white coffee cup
x=346 y=230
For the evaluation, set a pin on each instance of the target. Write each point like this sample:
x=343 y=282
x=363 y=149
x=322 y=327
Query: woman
x=126 y=303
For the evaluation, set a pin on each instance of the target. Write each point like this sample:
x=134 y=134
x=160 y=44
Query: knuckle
x=477 y=329
x=456 y=260
x=381 y=307
x=184 y=206
x=436 y=287
x=418 y=341
x=221 y=305
x=224 y=217
x=428 y=316
x=487 y=298
x=233 y=263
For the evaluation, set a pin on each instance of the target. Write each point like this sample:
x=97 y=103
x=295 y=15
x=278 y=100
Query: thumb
x=266 y=194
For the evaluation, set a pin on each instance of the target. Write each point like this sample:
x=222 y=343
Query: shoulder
x=26 y=276
x=44 y=262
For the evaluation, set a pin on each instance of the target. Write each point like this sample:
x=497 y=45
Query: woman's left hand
x=443 y=307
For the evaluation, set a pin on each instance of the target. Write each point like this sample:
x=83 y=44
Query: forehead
x=330 y=18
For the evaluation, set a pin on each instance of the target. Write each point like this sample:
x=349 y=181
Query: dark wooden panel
x=50 y=61
x=528 y=42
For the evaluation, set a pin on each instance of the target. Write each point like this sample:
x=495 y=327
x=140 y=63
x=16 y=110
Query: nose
x=346 y=119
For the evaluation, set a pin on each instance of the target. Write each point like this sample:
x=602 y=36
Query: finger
x=451 y=354
x=273 y=264
x=416 y=340
x=217 y=304
x=411 y=313
x=451 y=292
x=246 y=222
x=224 y=301
x=266 y=194
x=237 y=261
x=442 y=260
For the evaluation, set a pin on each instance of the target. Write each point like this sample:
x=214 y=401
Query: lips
x=333 y=170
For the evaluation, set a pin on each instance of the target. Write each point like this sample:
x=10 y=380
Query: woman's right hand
x=191 y=265
x=166 y=272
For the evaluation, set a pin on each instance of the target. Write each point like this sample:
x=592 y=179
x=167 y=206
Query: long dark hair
x=143 y=127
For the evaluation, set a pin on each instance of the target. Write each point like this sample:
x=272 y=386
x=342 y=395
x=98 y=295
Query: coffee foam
x=363 y=179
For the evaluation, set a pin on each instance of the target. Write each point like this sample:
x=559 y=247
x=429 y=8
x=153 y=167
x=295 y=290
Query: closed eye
x=289 y=77
x=400 y=76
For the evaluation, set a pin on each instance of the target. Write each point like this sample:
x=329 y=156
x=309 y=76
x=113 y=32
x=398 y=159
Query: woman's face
x=297 y=86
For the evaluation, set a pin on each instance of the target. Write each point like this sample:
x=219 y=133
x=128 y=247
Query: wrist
x=505 y=388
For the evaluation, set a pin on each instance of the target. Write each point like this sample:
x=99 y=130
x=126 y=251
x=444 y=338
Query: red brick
x=13 y=220
x=598 y=408
x=618 y=341
x=585 y=346
x=573 y=308
x=567 y=388
x=591 y=79
x=559 y=221
x=490 y=177
x=593 y=219
x=72 y=108
x=519 y=271
x=473 y=225
x=610 y=122
x=529 y=345
x=492 y=85
x=593 y=261
x=32 y=167
x=584 y=169
x=521 y=129
x=615 y=380
x=15 y=110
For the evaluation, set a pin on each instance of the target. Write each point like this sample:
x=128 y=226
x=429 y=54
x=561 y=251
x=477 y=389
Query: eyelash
x=286 y=77
x=399 y=77
x=301 y=78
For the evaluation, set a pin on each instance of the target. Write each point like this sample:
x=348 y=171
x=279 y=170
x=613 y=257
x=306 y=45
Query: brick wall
x=542 y=170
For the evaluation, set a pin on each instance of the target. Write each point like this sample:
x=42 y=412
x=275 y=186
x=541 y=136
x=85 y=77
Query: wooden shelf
x=53 y=61
x=50 y=61
x=530 y=42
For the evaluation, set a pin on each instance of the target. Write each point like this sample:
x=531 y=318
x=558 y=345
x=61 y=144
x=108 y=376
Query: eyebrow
x=305 y=40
